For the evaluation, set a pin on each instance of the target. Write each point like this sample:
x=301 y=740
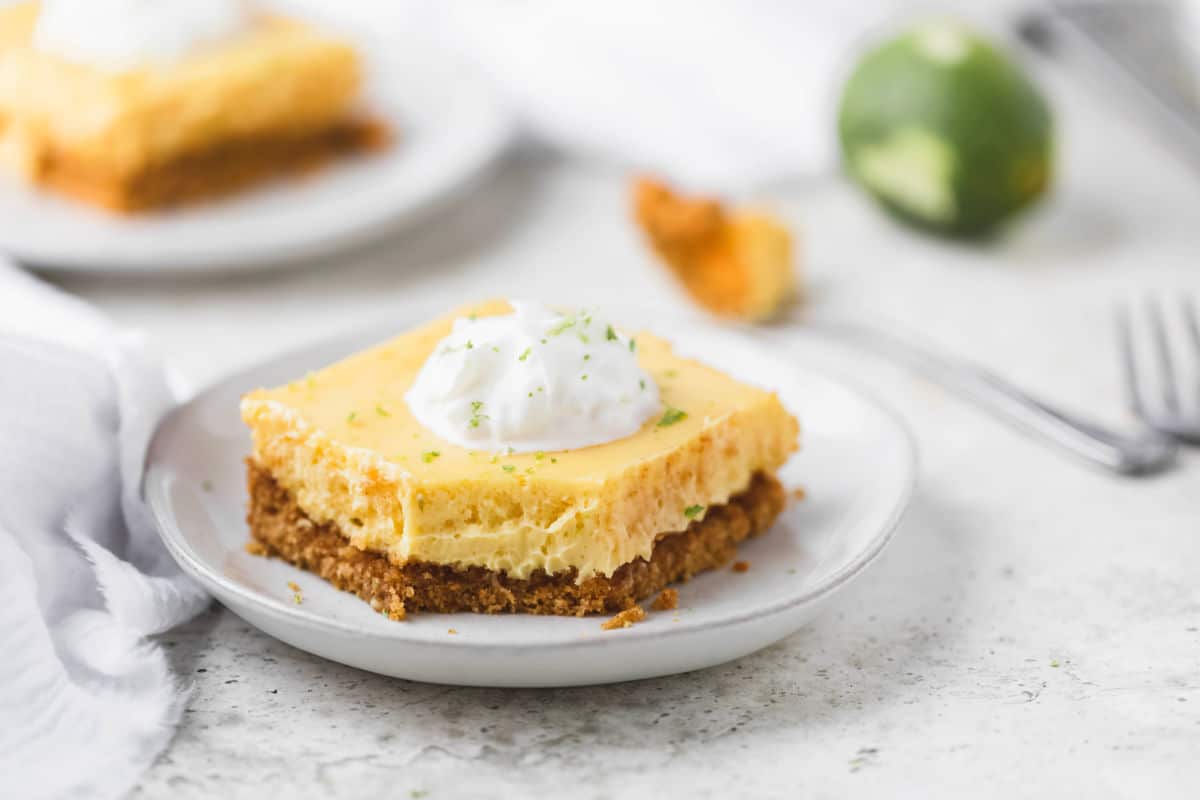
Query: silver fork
x=1140 y=452
x=1156 y=392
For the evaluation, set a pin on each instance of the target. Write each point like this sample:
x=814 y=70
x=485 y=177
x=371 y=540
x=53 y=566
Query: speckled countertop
x=1033 y=630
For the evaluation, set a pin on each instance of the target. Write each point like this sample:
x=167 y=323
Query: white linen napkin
x=713 y=94
x=86 y=701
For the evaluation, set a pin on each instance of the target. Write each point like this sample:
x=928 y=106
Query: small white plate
x=857 y=465
x=449 y=128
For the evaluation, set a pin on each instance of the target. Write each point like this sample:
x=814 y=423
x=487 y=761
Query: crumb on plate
x=667 y=600
x=625 y=619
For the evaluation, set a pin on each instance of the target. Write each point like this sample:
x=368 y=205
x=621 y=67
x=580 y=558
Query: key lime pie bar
x=133 y=105
x=513 y=458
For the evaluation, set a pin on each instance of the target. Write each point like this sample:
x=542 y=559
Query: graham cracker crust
x=220 y=170
x=279 y=528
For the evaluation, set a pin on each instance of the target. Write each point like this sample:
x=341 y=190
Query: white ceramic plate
x=857 y=465
x=450 y=129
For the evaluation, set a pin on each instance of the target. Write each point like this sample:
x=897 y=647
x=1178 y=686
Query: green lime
x=946 y=131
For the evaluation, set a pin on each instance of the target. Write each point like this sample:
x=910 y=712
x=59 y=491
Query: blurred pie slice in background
x=261 y=97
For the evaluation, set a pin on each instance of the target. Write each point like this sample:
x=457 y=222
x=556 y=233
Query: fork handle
x=1139 y=453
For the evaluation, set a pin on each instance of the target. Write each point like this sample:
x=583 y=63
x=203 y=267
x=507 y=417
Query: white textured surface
x=934 y=676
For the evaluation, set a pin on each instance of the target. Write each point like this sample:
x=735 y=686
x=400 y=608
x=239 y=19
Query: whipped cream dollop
x=124 y=34
x=533 y=380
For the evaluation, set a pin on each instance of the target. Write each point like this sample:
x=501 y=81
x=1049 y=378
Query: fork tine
x=1128 y=359
x=1191 y=321
x=1166 y=366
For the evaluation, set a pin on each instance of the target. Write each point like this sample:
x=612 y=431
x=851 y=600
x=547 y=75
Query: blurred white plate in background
x=450 y=128
x=857 y=465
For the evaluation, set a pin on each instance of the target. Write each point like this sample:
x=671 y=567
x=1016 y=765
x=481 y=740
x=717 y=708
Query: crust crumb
x=799 y=494
x=741 y=566
x=256 y=548
x=669 y=599
x=452 y=631
x=625 y=619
